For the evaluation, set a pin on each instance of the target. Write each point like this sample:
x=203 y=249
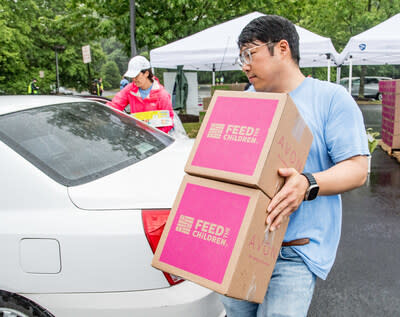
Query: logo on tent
x=362 y=46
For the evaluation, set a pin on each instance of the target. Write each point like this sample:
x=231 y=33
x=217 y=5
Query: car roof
x=379 y=77
x=15 y=103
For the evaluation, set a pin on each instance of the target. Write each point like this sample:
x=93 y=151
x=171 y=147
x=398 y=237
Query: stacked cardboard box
x=216 y=234
x=390 y=90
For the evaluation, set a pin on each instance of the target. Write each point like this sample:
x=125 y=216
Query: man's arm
x=344 y=176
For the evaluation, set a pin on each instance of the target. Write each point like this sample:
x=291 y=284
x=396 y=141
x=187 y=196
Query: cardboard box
x=389 y=86
x=392 y=100
x=216 y=236
x=389 y=139
x=391 y=112
x=245 y=137
x=391 y=126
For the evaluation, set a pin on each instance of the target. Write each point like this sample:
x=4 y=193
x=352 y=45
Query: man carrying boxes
x=226 y=227
x=217 y=235
x=269 y=53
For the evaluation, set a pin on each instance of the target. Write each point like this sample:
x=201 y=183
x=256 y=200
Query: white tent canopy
x=379 y=45
x=215 y=49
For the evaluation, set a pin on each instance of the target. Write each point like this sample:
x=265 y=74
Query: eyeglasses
x=245 y=56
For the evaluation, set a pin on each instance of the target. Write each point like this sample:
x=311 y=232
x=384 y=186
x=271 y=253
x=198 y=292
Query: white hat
x=137 y=64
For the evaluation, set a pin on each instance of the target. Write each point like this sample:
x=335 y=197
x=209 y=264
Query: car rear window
x=75 y=143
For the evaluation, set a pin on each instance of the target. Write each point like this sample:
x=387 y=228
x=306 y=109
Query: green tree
x=161 y=22
x=111 y=75
x=29 y=30
x=15 y=45
x=342 y=19
x=114 y=51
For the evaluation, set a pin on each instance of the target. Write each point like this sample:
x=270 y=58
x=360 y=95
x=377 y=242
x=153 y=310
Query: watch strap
x=310 y=178
x=313 y=188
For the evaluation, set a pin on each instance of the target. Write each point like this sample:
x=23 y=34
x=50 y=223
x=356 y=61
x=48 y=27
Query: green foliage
x=111 y=75
x=30 y=29
x=372 y=141
x=342 y=19
x=114 y=50
x=192 y=128
x=161 y=22
x=15 y=43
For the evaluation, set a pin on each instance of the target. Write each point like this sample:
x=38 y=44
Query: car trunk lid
x=148 y=184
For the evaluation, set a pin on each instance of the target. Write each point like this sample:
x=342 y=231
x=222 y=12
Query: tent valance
x=215 y=49
x=379 y=45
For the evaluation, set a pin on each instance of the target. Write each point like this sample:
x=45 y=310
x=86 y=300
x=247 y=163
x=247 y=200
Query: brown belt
x=302 y=241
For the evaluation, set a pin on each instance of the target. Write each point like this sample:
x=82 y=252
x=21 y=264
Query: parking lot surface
x=364 y=280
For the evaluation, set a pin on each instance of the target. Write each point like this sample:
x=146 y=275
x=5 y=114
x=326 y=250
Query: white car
x=62 y=91
x=85 y=193
x=371 y=86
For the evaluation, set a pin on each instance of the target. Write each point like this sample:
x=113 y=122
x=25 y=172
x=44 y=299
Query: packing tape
x=252 y=289
x=298 y=128
x=267 y=233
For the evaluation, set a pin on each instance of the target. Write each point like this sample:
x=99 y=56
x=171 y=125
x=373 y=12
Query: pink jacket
x=158 y=99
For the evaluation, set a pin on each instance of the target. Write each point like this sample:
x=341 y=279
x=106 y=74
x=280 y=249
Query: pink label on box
x=204 y=231
x=235 y=134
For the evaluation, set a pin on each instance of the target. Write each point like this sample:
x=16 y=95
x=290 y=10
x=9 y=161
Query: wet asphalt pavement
x=365 y=279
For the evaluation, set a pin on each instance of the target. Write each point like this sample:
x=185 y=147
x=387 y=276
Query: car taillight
x=153 y=224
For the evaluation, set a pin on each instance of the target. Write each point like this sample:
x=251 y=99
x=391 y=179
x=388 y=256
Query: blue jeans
x=289 y=292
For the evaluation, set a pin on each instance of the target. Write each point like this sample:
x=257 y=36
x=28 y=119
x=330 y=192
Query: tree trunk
x=133 y=27
x=362 y=81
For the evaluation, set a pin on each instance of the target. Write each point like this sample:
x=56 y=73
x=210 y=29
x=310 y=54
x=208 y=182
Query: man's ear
x=284 y=49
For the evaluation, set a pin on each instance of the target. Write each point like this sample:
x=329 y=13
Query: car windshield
x=75 y=143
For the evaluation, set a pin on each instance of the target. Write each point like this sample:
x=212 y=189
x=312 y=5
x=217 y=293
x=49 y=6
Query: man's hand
x=341 y=177
x=288 y=199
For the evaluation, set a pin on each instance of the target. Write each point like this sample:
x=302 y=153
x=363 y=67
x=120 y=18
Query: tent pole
x=328 y=58
x=338 y=69
x=213 y=75
x=329 y=70
x=350 y=73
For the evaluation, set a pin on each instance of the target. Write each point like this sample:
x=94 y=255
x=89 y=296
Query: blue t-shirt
x=145 y=92
x=123 y=83
x=251 y=88
x=337 y=125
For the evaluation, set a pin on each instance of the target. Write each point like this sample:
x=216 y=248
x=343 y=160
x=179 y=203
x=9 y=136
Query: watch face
x=312 y=192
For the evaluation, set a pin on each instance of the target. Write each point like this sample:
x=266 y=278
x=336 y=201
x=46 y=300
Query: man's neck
x=291 y=78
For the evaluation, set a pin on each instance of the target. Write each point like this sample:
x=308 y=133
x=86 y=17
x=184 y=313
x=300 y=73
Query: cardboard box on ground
x=390 y=132
x=216 y=234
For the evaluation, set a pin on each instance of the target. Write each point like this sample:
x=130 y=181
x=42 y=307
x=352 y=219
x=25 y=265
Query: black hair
x=271 y=28
x=150 y=73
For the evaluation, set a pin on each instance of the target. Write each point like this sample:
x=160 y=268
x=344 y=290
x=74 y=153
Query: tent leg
x=350 y=74
x=329 y=70
x=213 y=75
x=338 y=69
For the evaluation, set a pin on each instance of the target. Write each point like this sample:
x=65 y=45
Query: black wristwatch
x=313 y=189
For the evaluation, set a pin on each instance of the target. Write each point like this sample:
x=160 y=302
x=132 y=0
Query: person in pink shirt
x=144 y=93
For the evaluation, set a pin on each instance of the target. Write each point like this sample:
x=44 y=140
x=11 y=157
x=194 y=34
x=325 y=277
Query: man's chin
x=258 y=88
